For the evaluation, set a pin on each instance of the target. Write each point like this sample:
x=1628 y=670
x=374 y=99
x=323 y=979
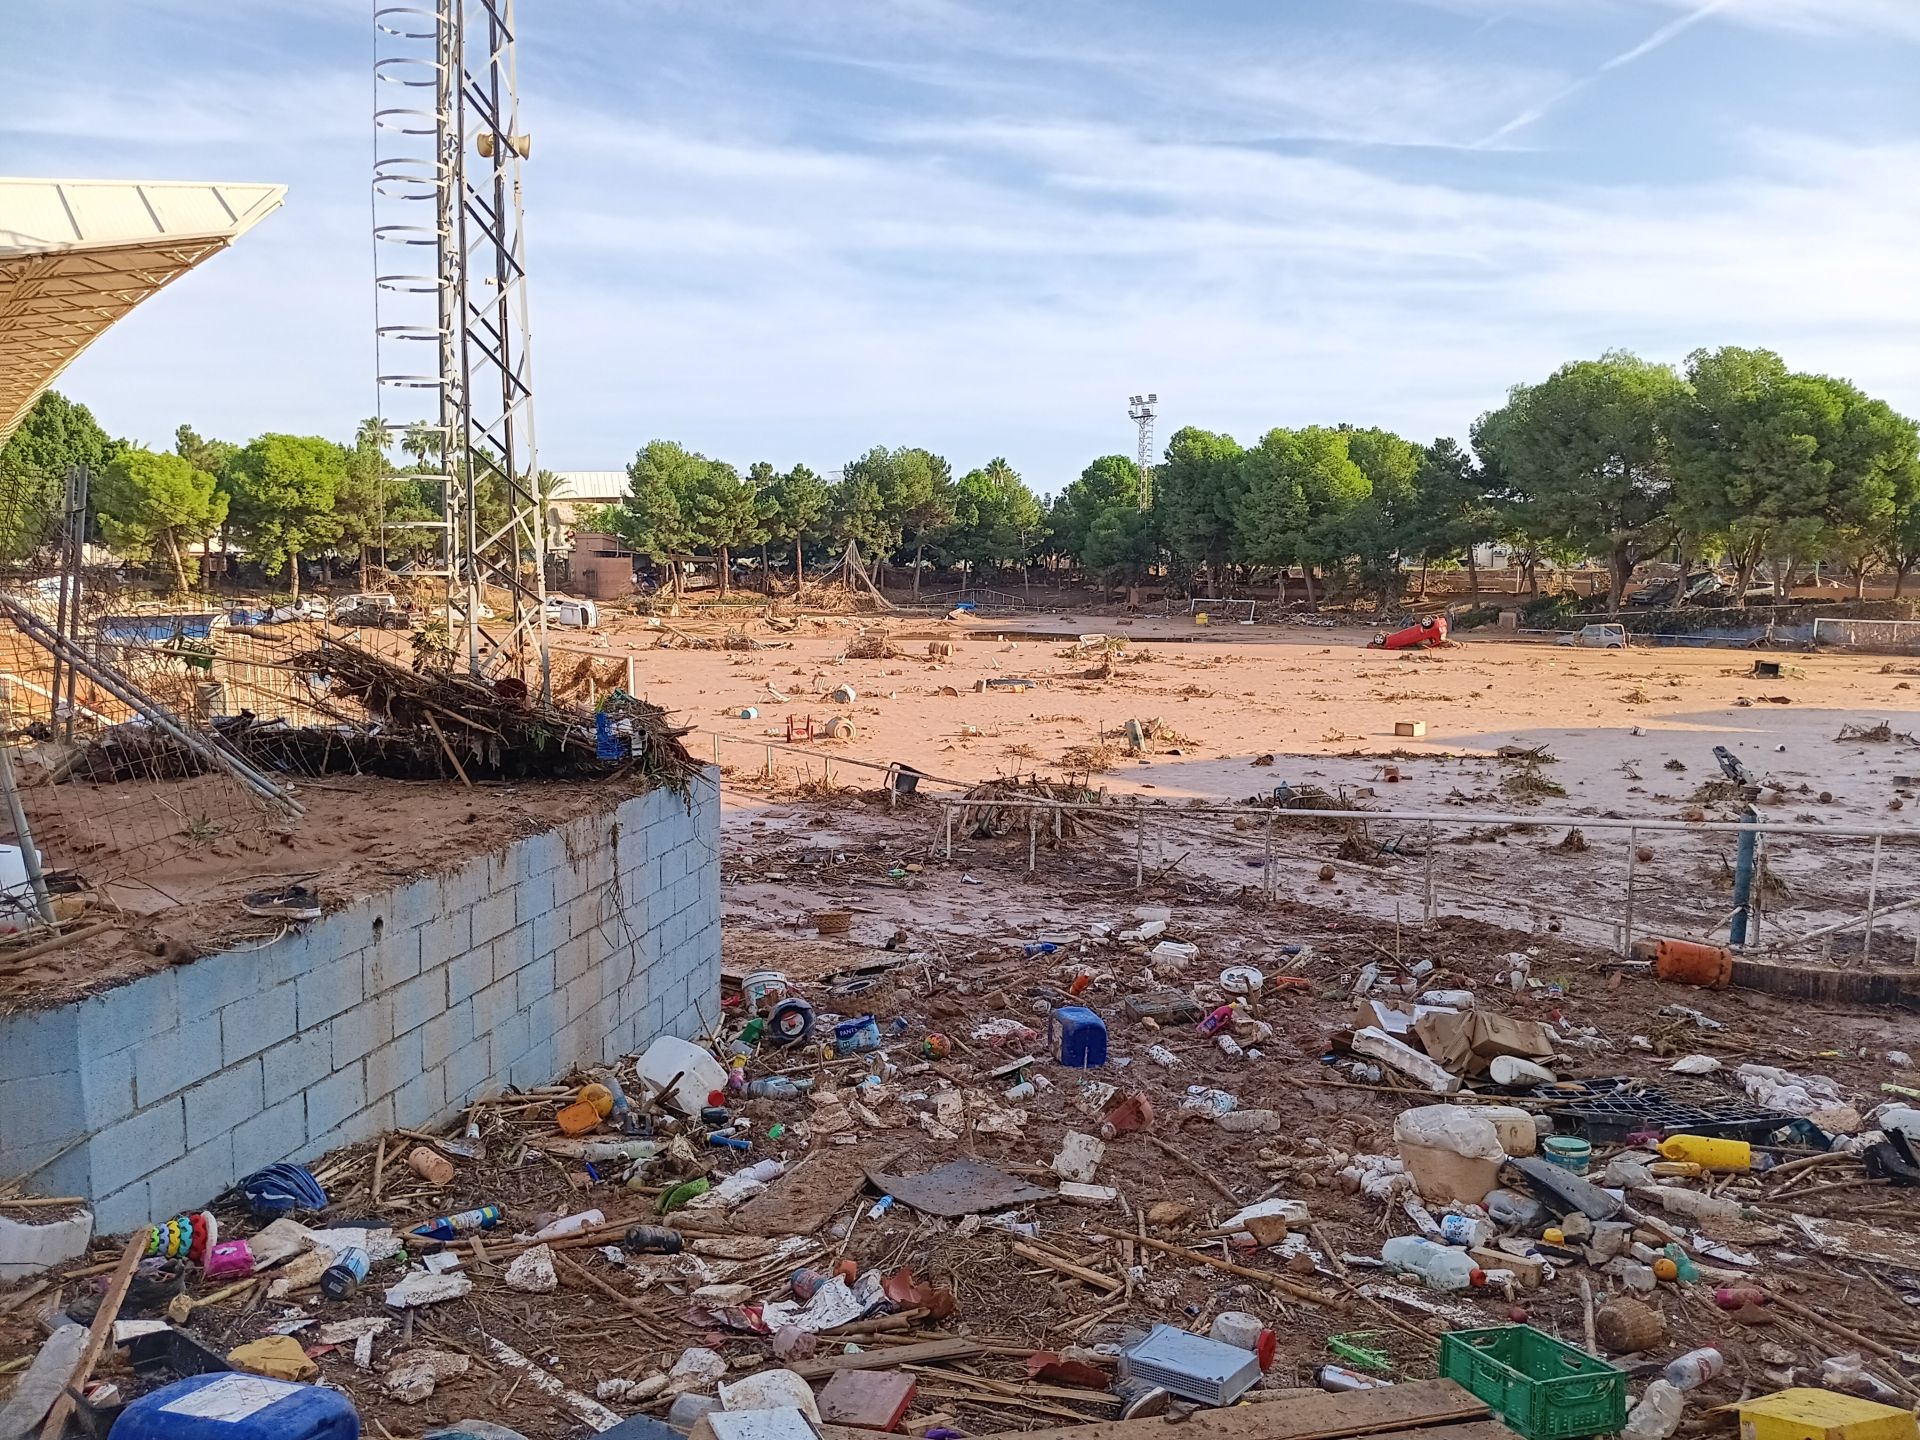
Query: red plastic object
x=1131 y=1112
x=1265 y=1348
x=1429 y=632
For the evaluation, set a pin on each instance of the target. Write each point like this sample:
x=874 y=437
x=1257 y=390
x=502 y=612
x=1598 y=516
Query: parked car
x=1597 y=637
x=563 y=610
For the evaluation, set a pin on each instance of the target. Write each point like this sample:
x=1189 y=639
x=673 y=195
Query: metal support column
x=1743 y=868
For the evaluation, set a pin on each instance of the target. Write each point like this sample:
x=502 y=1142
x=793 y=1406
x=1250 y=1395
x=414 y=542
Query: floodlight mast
x=1141 y=409
x=446 y=181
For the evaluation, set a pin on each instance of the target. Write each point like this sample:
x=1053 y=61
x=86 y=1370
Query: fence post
x=1428 y=922
x=1633 y=862
x=946 y=826
x=1873 y=897
x=633 y=675
x=1139 y=846
x=1743 y=867
x=1033 y=837
x=1267 y=877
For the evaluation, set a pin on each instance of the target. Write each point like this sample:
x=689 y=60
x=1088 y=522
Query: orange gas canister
x=1684 y=962
x=578 y=1118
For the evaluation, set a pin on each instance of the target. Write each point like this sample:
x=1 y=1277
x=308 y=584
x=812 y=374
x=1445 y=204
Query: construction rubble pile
x=1087 y=1179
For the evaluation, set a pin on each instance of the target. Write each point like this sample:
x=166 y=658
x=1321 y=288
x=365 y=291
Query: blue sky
x=792 y=229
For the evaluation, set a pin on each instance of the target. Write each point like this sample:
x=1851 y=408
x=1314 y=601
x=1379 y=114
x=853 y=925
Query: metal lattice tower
x=1141 y=409
x=450 y=284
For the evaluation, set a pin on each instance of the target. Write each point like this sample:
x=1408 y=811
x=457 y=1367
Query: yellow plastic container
x=1705 y=1150
x=1821 y=1415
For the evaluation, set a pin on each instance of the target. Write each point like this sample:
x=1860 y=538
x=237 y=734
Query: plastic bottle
x=778 y=1087
x=1465 y=1230
x=1338 y=1378
x=880 y=1207
x=341 y=1280
x=1213 y=1021
x=1693 y=1369
x=651 y=1240
x=729 y=1142
x=1511 y=1210
x=570 y=1225
x=1694 y=1205
x=449 y=1227
x=1041 y=947
x=1657 y=1415
x=1705 y=1150
x=1441 y=1267
x=1684 y=1269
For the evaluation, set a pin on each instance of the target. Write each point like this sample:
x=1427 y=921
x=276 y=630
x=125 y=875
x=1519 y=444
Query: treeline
x=275 y=500
x=1732 y=459
x=1735 y=459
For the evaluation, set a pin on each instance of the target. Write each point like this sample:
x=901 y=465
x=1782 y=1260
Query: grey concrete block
x=537 y=1066
x=469 y=1071
x=512 y=1037
x=533 y=980
x=106 y=1090
x=215 y=981
x=446 y=1033
x=468 y=973
x=391 y=959
x=492 y=1005
x=393 y=1065
x=542 y=854
x=194 y=1179
x=332 y=1100
x=539 y=1019
x=445 y=936
x=362 y=1030
x=222 y=1101
x=138 y=1145
x=418 y=1000
x=422 y=1100
x=125 y=1209
x=548 y=931
x=295 y=1063
x=331 y=986
x=36 y=1110
x=255 y=1022
x=39 y=1042
x=511 y=951
x=573 y=959
x=410 y=906
x=125 y=1015
x=277 y=1133
x=169 y=1064
x=492 y=917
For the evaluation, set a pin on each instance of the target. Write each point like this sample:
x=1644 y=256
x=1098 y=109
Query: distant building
x=578 y=494
x=600 y=567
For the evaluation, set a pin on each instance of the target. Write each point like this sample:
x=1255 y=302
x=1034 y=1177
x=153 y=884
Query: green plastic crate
x=1540 y=1386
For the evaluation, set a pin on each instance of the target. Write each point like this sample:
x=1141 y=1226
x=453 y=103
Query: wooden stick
x=1195 y=1166
x=625 y=1302
x=1586 y=1302
x=438 y=734
x=1284 y=1286
x=103 y=1319
x=1094 y=1278
x=379 y=1168
x=15 y=958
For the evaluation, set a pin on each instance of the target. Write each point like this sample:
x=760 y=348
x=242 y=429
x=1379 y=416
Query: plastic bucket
x=1569 y=1152
x=1683 y=962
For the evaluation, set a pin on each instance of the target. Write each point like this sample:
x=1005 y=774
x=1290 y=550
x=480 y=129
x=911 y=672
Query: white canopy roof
x=76 y=255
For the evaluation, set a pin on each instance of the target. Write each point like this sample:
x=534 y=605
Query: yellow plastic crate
x=1822 y=1415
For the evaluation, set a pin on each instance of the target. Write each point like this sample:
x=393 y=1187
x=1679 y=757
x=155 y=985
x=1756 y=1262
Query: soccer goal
x=1228 y=609
x=1883 y=637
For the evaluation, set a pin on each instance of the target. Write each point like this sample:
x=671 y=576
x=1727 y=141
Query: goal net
x=1227 y=609
x=1885 y=637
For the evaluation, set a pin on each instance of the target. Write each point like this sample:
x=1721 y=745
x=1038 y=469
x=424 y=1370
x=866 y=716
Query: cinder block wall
x=577 y=944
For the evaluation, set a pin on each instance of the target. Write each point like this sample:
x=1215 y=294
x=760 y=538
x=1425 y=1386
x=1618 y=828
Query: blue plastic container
x=1079 y=1037
x=238 y=1406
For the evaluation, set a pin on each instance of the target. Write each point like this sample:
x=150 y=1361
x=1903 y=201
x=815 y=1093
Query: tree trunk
x=1306 y=575
x=1473 y=578
x=766 y=570
x=179 y=570
x=799 y=571
x=366 y=582
x=1860 y=583
x=919 y=550
x=1423 y=578
x=293 y=564
x=1743 y=573
x=1900 y=570
x=1619 y=571
x=725 y=566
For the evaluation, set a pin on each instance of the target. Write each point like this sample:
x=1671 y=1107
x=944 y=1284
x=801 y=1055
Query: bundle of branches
x=985 y=815
x=870 y=645
x=498 y=729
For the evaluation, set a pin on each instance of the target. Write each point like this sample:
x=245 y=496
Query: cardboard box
x=1466 y=1044
x=1412 y=729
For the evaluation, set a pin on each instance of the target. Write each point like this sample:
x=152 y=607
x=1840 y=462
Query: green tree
x=722 y=513
x=916 y=487
x=1449 y=515
x=1120 y=544
x=996 y=518
x=1903 y=527
x=283 y=490
x=1109 y=483
x=800 y=503
x=54 y=434
x=361 y=502
x=1197 y=492
x=1586 y=457
x=150 y=500
x=654 y=518
x=1299 y=486
x=860 y=512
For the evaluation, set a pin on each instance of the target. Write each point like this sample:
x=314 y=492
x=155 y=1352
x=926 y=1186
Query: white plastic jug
x=1514 y=1127
x=700 y=1074
x=1452 y=1152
